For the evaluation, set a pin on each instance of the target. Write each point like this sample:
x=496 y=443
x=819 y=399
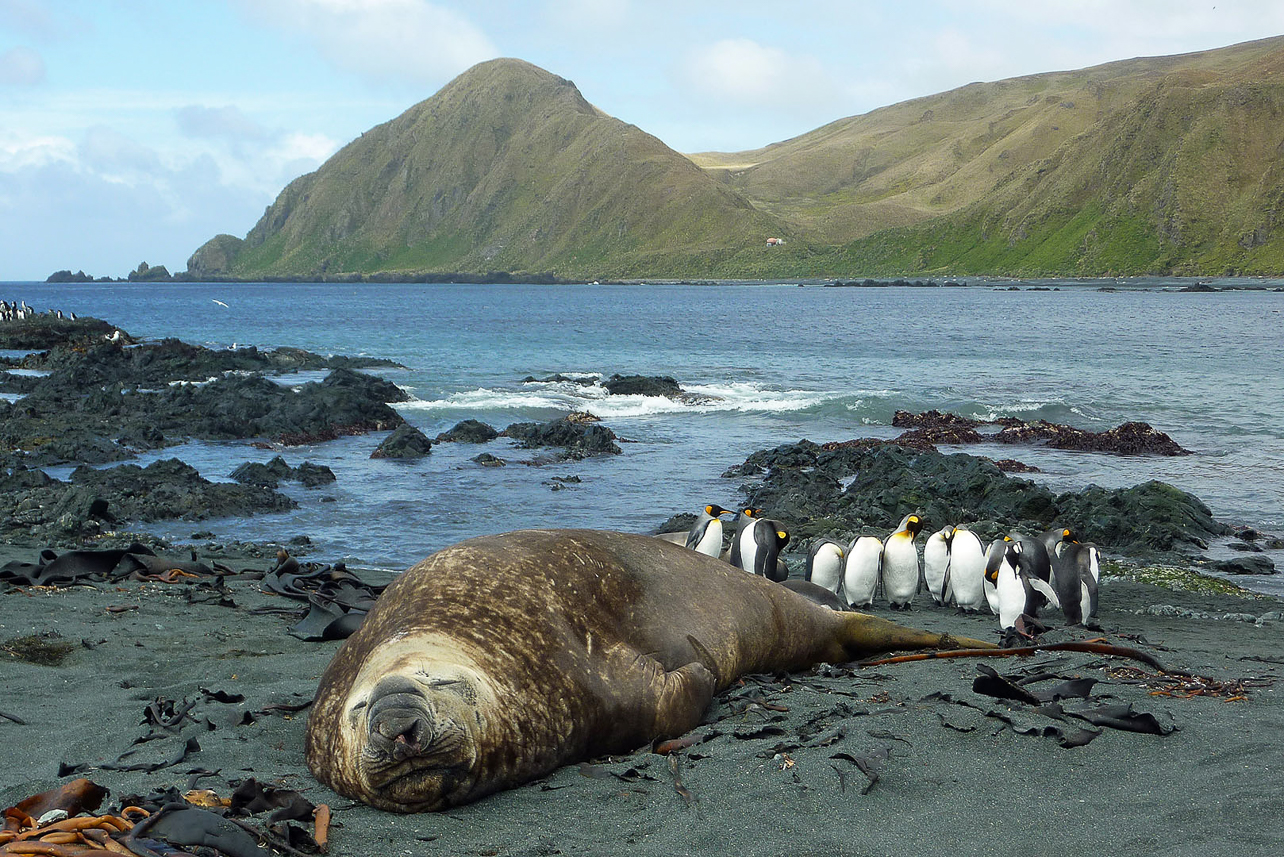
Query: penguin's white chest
x=1011 y=595
x=710 y=543
x=860 y=575
x=748 y=548
x=900 y=569
x=827 y=569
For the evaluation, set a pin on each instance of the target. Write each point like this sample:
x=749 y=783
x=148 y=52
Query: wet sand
x=776 y=774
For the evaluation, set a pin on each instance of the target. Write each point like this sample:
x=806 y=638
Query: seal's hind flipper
x=862 y=635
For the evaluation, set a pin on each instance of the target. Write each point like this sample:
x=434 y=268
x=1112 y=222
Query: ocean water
x=770 y=364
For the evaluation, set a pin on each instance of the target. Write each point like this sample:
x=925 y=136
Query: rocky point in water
x=1131 y=438
x=406 y=442
x=103 y=402
x=576 y=436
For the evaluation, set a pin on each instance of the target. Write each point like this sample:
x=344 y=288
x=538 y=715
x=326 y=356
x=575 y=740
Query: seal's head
x=412 y=733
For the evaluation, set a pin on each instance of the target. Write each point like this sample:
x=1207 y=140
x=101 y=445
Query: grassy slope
x=1165 y=165
x=507 y=168
x=1168 y=164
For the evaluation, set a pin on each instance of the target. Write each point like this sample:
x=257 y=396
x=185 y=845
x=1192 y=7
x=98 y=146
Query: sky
x=135 y=130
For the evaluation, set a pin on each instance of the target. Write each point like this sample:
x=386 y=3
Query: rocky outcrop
x=276 y=471
x=577 y=439
x=841 y=490
x=1131 y=438
x=642 y=385
x=468 y=431
x=44 y=510
x=406 y=441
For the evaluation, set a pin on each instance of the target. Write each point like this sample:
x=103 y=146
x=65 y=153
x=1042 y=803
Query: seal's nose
x=398 y=718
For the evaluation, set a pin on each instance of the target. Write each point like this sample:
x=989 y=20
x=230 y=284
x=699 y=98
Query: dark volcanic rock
x=277 y=470
x=47 y=511
x=559 y=378
x=642 y=385
x=932 y=420
x=468 y=431
x=488 y=460
x=842 y=489
x=1246 y=565
x=932 y=435
x=1134 y=438
x=1146 y=518
x=169 y=489
x=406 y=441
x=46 y=331
x=267 y=475
x=578 y=439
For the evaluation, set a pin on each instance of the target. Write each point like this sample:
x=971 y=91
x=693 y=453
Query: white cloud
x=197 y=120
x=747 y=72
x=21 y=66
x=406 y=41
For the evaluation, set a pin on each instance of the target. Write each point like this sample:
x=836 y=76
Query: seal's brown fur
x=537 y=648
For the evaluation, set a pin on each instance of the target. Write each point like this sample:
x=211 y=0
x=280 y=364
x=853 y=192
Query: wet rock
x=1145 y=519
x=642 y=385
x=267 y=475
x=277 y=470
x=488 y=460
x=932 y=435
x=932 y=420
x=406 y=441
x=1011 y=465
x=843 y=489
x=577 y=439
x=1254 y=564
x=1133 y=438
x=468 y=431
x=44 y=331
x=559 y=378
x=311 y=475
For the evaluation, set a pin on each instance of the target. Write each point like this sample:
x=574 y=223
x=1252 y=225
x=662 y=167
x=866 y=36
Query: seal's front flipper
x=651 y=702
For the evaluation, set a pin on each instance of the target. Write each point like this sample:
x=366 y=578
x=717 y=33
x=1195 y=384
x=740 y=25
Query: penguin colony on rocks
x=1013 y=577
x=20 y=312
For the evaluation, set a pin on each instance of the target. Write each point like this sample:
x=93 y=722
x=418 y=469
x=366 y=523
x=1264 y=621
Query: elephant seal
x=502 y=658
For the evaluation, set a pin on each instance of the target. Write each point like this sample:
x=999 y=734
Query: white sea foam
x=568 y=396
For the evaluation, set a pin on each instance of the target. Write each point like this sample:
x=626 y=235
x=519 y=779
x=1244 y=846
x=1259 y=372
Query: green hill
x=1159 y=165
x=507 y=168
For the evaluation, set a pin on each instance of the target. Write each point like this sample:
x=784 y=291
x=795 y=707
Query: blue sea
x=771 y=363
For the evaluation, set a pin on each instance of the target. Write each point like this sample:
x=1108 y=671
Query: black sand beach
x=775 y=770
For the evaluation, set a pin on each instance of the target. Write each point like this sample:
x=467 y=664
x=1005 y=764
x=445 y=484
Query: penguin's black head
x=914 y=523
x=782 y=537
x=715 y=511
x=750 y=512
x=1067 y=535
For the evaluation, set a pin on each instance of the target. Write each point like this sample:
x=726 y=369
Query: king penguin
x=967 y=570
x=860 y=573
x=746 y=517
x=1035 y=565
x=1018 y=592
x=900 y=564
x=825 y=564
x=705 y=535
x=1083 y=563
x=1002 y=571
x=1066 y=579
x=760 y=545
x=993 y=556
x=936 y=565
